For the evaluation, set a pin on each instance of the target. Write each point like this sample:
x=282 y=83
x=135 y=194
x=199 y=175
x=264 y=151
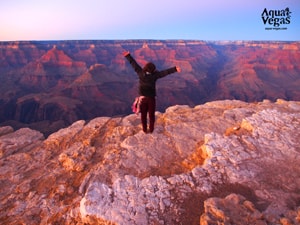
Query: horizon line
x=145 y=39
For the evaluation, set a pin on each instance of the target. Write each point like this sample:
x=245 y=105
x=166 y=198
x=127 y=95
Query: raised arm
x=137 y=68
x=166 y=72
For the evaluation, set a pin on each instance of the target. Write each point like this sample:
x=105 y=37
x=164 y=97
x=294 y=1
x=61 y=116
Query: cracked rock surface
x=223 y=162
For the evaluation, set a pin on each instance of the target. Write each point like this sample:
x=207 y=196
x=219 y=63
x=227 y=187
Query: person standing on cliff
x=148 y=75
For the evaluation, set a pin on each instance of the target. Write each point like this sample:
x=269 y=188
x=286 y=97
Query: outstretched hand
x=178 y=69
x=126 y=53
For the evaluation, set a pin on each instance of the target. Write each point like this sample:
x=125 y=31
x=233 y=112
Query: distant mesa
x=65 y=81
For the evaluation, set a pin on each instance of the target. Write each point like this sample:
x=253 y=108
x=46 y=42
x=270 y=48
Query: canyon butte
x=48 y=85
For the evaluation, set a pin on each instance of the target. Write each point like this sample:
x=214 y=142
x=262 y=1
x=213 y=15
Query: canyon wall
x=48 y=85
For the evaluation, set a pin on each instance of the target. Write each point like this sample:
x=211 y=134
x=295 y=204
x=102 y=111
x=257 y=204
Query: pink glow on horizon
x=135 y=19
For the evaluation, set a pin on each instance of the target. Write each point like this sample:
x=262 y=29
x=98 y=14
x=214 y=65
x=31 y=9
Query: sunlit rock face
x=223 y=162
x=48 y=85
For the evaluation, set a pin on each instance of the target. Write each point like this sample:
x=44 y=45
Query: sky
x=138 y=19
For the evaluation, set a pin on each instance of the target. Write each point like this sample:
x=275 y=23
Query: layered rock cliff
x=48 y=85
x=223 y=162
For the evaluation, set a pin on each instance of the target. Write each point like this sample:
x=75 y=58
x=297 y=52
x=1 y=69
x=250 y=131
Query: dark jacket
x=147 y=81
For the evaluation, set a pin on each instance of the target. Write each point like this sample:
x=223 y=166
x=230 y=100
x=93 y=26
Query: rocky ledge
x=223 y=162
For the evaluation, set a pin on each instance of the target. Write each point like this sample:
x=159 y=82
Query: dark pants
x=147 y=106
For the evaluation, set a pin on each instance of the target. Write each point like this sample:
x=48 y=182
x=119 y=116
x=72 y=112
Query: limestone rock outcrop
x=233 y=209
x=223 y=162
